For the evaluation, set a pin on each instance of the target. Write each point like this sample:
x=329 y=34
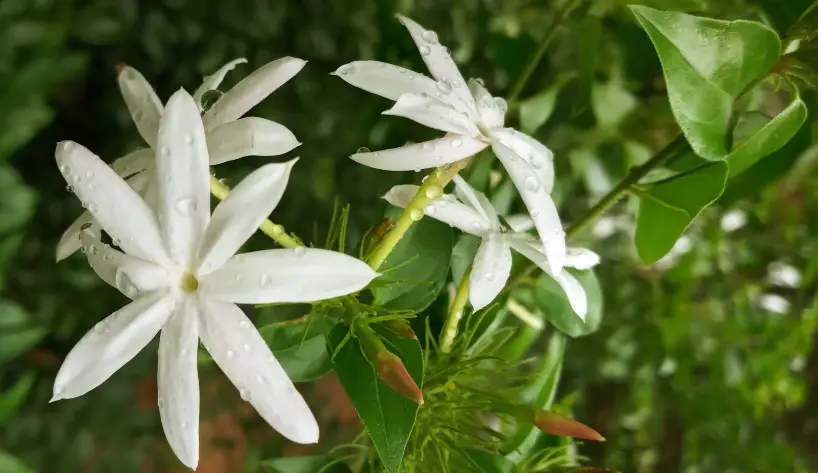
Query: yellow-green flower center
x=189 y=283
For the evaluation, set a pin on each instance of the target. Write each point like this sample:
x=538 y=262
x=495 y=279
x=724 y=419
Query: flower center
x=189 y=283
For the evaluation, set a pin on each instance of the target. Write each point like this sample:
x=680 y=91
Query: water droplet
x=425 y=178
x=92 y=208
x=500 y=103
x=444 y=86
x=92 y=187
x=489 y=276
x=161 y=404
x=362 y=149
x=480 y=82
x=230 y=354
x=416 y=214
x=277 y=230
x=137 y=116
x=264 y=279
x=244 y=324
x=64 y=168
x=245 y=395
x=247 y=348
x=92 y=250
x=117 y=242
x=433 y=192
x=425 y=50
x=428 y=146
x=430 y=210
x=106 y=257
x=238 y=277
x=89 y=174
x=417 y=169
x=184 y=424
x=77 y=178
x=457 y=142
x=476 y=225
x=99 y=327
x=531 y=183
x=185 y=206
x=430 y=36
x=346 y=70
x=259 y=378
x=188 y=139
x=69 y=188
x=534 y=213
x=535 y=162
x=165 y=151
x=299 y=250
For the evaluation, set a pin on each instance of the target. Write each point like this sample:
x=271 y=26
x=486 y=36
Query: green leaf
x=417 y=268
x=707 y=63
x=10 y=464
x=305 y=464
x=490 y=462
x=463 y=255
x=306 y=361
x=386 y=415
x=17 y=333
x=667 y=208
x=537 y=109
x=552 y=301
x=589 y=33
x=611 y=103
x=770 y=138
x=17 y=211
x=11 y=399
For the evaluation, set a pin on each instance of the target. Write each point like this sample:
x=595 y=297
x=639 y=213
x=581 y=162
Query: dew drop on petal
x=165 y=151
x=89 y=174
x=247 y=348
x=500 y=103
x=416 y=214
x=534 y=213
x=244 y=324
x=444 y=86
x=425 y=50
x=259 y=378
x=137 y=116
x=185 y=206
x=299 y=250
x=430 y=210
x=476 y=225
x=245 y=395
x=161 y=404
x=480 y=82
x=230 y=354
x=428 y=146
x=264 y=279
x=92 y=187
x=489 y=276
x=92 y=207
x=69 y=188
x=457 y=142
x=188 y=139
x=99 y=327
x=531 y=183
x=362 y=149
x=64 y=168
x=430 y=36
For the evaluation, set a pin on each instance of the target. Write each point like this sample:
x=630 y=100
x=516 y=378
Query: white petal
x=241 y=353
x=438 y=60
x=134 y=162
x=183 y=183
x=492 y=266
x=481 y=204
x=581 y=258
x=252 y=90
x=445 y=209
x=386 y=80
x=213 y=81
x=111 y=343
x=131 y=276
x=520 y=223
x=531 y=248
x=291 y=275
x=178 y=381
x=142 y=102
x=539 y=203
x=575 y=292
x=492 y=111
x=428 y=154
x=433 y=113
x=118 y=208
x=250 y=136
x=540 y=158
x=238 y=216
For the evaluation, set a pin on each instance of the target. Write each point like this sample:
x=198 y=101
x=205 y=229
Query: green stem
x=272 y=230
x=455 y=313
x=535 y=59
x=431 y=189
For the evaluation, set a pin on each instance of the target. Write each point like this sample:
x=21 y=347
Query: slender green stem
x=455 y=313
x=535 y=59
x=431 y=189
x=272 y=230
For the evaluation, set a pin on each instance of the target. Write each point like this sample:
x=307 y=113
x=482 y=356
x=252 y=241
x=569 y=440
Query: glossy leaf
x=13 y=397
x=537 y=109
x=667 y=208
x=416 y=270
x=305 y=464
x=771 y=137
x=707 y=63
x=387 y=416
x=552 y=301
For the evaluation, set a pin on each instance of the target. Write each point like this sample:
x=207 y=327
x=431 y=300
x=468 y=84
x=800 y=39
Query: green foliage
x=306 y=464
x=10 y=464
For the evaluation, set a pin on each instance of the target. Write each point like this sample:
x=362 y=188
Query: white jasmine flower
x=177 y=264
x=733 y=220
x=472 y=120
x=783 y=275
x=774 y=303
x=229 y=137
x=471 y=212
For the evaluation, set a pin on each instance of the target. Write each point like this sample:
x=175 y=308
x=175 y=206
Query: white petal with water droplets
x=213 y=81
x=286 y=275
x=384 y=79
x=134 y=162
x=477 y=200
x=520 y=223
x=540 y=206
x=433 y=113
x=241 y=353
x=446 y=209
x=438 y=60
x=492 y=266
x=118 y=208
x=575 y=292
x=178 y=381
x=238 y=216
x=183 y=178
x=130 y=275
x=142 y=102
x=252 y=90
x=111 y=343
x=492 y=112
x=580 y=258
x=540 y=158
x=428 y=154
x=249 y=136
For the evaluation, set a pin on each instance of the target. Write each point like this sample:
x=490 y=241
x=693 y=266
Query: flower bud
x=401 y=327
x=392 y=371
x=556 y=424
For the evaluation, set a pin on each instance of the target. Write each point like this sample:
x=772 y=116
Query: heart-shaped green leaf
x=387 y=416
x=707 y=63
x=667 y=208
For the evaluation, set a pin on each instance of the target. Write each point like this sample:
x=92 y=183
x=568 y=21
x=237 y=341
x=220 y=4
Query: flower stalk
x=431 y=189
x=455 y=313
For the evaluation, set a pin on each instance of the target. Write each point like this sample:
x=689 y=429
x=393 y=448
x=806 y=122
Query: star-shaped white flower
x=229 y=137
x=471 y=212
x=473 y=120
x=177 y=264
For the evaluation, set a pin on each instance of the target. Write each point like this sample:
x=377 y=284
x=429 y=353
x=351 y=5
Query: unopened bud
x=401 y=327
x=556 y=424
x=381 y=229
x=392 y=371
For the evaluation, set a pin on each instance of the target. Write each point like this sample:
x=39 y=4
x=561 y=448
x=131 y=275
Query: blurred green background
x=703 y=364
